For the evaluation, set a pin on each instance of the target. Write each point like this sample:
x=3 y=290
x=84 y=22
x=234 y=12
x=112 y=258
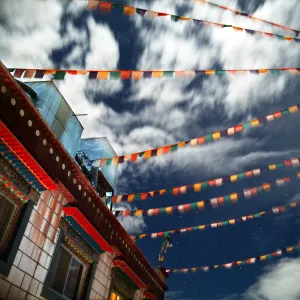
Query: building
x=58 y=239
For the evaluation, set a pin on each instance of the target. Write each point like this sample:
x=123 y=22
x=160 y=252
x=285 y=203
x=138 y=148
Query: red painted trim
x=126 y=269
x=87 y=227
x=150 y=296
x=23 y=155
x=12 y=188
x=117 y=251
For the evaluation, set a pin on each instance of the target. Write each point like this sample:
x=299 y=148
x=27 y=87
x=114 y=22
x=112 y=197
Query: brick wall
x=102 y=279
x=139 y=295
x=27 y=275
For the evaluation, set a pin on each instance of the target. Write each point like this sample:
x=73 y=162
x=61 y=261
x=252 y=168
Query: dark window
x=13 y=222
x=69 y=277
x=7 y=209
x=68 y=274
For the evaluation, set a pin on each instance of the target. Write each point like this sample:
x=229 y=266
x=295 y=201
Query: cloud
x=220 y=158
x=173 y=295
x=278 y=282
x=296 y=197
x=234 y=296
x=183 y=45
x=27 y=35
x=133 y=225
x=168 y=45
x=78 y=38
x=104 y=49
x=170 y=110
x=80 y=92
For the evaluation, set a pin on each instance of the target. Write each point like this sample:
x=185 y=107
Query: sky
x=138 y=115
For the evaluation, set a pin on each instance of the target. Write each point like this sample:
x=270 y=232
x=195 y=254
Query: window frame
x=10 y=252
x=81 y=283
x=113 y=289
x=9 y=223
x=84 y=287
x=21 y=215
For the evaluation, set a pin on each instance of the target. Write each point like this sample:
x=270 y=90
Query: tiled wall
x=101 y=283
x=102 y=279
x=139 y=295
x=27 y=275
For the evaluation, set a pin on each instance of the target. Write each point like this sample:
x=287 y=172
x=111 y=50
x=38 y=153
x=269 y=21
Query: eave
x=81 y=224
x=129 y=272
x=23 y=162
x=149 y=296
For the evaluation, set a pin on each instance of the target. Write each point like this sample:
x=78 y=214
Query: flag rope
x=147 y=154
x=201 y=186
x=212 y=137
x=218 y=224
x=130 y=11
x=247 y=261
x=243 y=14
x=59 y=74
x=214 y=202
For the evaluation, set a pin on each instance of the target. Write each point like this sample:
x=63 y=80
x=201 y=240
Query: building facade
x=58 y=239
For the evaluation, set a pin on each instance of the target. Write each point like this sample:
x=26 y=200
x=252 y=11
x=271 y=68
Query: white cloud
x=163 y=92
x=80 y=92
x=173 y=295
x=79 y=40
x=279 y=282
x=76 y=7
x=296 y=197
x=30 y=33
x=181 y=46
x=104 y=52
x=133 y=225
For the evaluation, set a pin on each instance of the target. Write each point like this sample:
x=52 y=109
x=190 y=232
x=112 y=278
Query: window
x=7 y=210
x=122 y=288
x=14 y=217
x=114 y=296
x=68 y=275
x=15 y=212
x=72 y=269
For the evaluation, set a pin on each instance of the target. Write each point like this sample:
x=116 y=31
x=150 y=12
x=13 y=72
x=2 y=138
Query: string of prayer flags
x=130 y=11
x=214 y=202
x=201 y=186
x=239 y=13
x=239 y=263
x=274 y=210
x=60 y=74
x=212 y=137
